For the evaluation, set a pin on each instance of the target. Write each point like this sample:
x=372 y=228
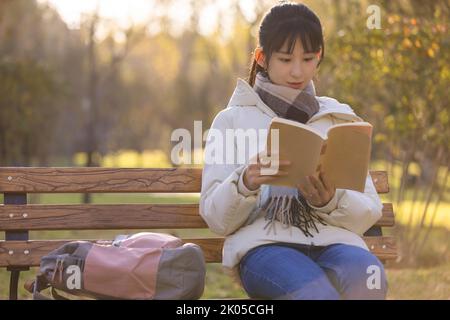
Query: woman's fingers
x=326 y=182
x=255 y=176
x=265 y=179
x=307 y=189
x=318 y=185
x=258 y=169
x=280 y=173
x=303 y=191
x=281 y=163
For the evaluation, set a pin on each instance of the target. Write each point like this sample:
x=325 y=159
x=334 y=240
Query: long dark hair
x=287 y=21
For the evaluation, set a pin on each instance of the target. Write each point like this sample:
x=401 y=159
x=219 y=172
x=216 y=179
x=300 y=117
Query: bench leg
x=14 y=284
x=15 y=235
x=374 y=231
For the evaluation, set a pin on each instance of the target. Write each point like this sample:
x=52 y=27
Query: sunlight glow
x=125 y=13
x=122 y=12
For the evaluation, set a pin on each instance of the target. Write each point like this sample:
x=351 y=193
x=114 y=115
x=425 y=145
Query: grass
x=421 y=284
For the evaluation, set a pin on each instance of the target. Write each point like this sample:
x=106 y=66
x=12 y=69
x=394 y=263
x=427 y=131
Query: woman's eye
x=308 y=59
x=284 y=60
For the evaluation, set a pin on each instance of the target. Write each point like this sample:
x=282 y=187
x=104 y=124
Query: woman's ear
x=260 y=57
x=319 y=55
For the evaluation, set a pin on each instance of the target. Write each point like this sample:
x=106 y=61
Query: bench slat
x=98 y=180
x=115 y=216
x=29 y=253
x=107 y=180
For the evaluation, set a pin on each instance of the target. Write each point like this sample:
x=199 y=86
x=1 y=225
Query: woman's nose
x=296 y=70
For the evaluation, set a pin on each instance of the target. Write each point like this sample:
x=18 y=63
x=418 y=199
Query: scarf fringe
x=290 y=211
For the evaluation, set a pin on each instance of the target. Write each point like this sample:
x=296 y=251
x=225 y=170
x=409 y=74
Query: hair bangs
x=292 y=30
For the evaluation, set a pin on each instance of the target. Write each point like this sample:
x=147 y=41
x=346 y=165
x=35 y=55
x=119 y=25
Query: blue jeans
x=307 y=272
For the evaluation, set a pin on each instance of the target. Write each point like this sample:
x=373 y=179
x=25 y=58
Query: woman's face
x=292 y=70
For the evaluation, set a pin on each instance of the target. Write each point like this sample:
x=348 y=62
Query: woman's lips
x=295 y=85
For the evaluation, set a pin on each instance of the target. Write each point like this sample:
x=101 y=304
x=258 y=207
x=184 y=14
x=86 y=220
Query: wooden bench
x=17 y=218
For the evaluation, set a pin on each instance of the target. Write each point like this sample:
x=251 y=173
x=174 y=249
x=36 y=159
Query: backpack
x=140 y=266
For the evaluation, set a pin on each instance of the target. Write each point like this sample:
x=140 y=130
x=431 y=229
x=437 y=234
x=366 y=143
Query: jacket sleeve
x=225 y=202
x=353 y=210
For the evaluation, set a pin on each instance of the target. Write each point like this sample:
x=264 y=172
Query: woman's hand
x=252 y=175
x=317 y=190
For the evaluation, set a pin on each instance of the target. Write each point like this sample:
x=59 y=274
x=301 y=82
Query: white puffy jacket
x=226 y=203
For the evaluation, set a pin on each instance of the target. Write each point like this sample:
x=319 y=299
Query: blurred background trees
x=99 y=88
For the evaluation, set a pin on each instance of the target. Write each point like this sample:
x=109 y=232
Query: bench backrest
x=17 y=217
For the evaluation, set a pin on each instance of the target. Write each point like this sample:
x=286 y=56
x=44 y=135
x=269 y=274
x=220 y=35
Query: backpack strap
x=40 y=283
x=35 y=287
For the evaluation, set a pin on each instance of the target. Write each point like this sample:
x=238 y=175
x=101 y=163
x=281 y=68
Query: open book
x=343 y=153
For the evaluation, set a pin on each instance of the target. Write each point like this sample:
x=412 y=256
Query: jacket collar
x=245 y=95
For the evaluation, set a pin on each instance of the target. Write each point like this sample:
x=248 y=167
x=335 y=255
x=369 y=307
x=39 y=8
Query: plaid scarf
x=284 y=204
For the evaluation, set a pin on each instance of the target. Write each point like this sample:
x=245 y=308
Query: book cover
x=343 y=152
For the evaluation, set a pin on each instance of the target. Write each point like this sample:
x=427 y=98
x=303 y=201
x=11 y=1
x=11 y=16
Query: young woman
x=289 y=243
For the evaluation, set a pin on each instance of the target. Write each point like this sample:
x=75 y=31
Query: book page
x=347 y=155
x=299 y=144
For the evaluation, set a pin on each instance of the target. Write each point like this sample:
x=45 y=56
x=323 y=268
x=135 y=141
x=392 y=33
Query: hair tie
x=258 y=55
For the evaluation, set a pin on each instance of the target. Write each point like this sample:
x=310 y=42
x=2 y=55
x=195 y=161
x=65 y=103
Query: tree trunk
x=442 y=190
x=91 y=137
x=417 y=230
